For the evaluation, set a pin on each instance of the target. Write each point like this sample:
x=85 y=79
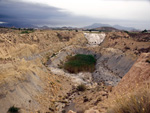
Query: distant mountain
x=98 y=25
x=124 y=28
x=24 y=25
x=44 y=27
x=93 y=26
x=106 y=29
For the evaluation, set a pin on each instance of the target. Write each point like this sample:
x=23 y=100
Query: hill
x=98 y=25
x=106 y=29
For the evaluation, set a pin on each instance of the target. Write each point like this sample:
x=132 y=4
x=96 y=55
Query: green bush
x=25 y=32
x=81 y=87
x=126 y=31
x=13 y=109
x=79 y=63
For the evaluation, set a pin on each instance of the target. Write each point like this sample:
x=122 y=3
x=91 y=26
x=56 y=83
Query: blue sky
x=131 y=13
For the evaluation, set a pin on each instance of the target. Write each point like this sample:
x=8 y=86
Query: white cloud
x=111 y=9
x=2 y=22
x=134 y=13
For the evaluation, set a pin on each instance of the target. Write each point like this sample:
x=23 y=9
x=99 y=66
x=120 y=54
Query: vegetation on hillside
x=81 y=87
x=79 y=63
x=138 y=102
x=27 y=31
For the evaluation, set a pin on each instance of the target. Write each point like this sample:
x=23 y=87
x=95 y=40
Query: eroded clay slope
x=25 y=82
x=111 y=66
x=138 y=76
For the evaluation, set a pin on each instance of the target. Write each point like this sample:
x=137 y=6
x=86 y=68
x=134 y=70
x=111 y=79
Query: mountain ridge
x=92 y=26
x=98 y=25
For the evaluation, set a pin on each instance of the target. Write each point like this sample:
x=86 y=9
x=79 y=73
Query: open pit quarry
x=33 y=80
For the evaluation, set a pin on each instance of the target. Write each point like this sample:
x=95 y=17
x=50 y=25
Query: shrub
x=144 y=31
x=13 y=109
x=126 y=31
x=80 y=62
x=27 y=31
x=148 y=61
x=81 y=87
x=134 y=103
x=53 y=55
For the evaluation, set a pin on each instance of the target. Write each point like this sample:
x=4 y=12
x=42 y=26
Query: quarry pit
x=32 y=78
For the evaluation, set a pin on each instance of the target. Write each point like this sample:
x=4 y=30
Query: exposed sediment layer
x=138 y=76
x=112 y=65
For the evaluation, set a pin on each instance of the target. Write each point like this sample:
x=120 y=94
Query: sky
x=77 y=13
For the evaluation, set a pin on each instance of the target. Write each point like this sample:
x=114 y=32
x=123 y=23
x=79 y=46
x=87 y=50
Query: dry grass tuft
x=137 y=102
